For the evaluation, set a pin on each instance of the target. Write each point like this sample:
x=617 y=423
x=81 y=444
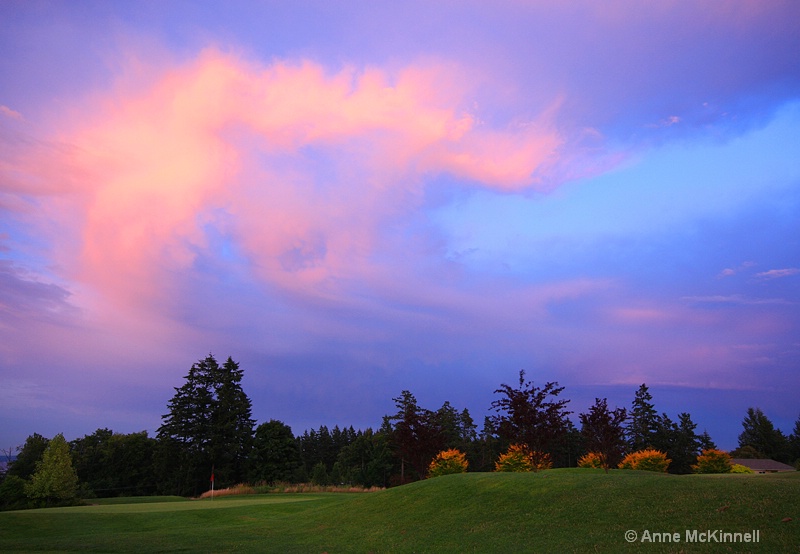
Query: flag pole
x=212 y=482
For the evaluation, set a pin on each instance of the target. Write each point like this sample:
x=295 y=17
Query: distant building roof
x=762 y=465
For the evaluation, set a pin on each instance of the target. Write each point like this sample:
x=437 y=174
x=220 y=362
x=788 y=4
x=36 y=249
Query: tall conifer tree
x=208 y=425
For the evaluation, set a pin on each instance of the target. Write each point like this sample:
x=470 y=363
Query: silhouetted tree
x=208 y=426
x=644 y=421
x=415 y=434
x=276 y=453
x=30 y=453
x=761 y=434
x=530 y=415
x=604 y=431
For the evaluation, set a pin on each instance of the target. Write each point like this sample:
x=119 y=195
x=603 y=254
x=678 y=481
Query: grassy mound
x=557 y=510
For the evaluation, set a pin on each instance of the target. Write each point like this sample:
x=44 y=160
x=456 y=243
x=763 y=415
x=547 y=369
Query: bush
x=447 y=462
x=713 y=461
x=646 y=460
x=519 y=458
x=739 y=468
x=592 y=459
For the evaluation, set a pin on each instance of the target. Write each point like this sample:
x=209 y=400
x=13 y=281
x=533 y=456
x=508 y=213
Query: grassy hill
x=554 y=511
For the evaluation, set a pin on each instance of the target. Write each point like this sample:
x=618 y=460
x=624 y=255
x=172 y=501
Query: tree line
x=208 y=433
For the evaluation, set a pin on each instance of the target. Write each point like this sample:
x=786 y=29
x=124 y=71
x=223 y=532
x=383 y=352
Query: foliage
x=592 y=460
x=530 y=415
x=679 y=441
x=367 y=461
x=415 y=433
x=519 y=458
x=110 y=464
x=739 y=468
x=646 y=460
x=448 y=462
x=713 y=461
x=761 y=434
x=29 y=455
x=603 y=430
x=644 y=421
x=208 y=425
x=12 y=493
x=276 y=453
x=55 y=480
x=319 y=475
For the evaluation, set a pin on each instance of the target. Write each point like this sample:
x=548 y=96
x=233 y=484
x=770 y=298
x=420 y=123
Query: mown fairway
x=553 y=511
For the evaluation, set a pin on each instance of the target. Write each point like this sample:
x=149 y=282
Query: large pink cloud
x=301 y=167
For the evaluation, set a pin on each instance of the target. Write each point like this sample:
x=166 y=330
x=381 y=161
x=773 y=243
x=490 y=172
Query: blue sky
x=352 y=200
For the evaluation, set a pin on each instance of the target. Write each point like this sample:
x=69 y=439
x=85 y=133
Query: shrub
x=713 y=461
x=519 y=458
x=646 y=460
x=739 y=468
x=541 y=460
x=447 y=462
x=592 y=459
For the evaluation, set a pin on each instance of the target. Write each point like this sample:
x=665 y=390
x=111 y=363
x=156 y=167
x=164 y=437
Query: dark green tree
x=794 y=444
x=531 y=415
x=416 y=436
x=679 y=441
x=643 y=422
x=54 y=482
x=276 y=453
x=368 y=460
x=604 y=432
x=231 y=425
x=30 y=453
x=761 y=434
x=208 y=426
x=705 y=442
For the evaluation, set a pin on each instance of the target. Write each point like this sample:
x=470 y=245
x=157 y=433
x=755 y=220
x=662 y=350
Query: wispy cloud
x=778 y=273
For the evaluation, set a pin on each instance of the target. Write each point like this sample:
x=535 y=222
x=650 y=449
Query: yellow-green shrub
x=648 y=459
x=592 y=459
x=713 y=461
x=739 y=468
x=447 y=462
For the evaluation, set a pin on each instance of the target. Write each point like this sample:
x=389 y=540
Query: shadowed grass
x=551 y=511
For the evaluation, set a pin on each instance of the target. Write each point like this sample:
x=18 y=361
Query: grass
x=553 y=511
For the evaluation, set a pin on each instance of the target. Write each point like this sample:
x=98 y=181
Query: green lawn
x=553 y=511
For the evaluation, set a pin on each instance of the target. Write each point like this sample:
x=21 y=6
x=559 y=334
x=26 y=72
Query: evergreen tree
x=604 y=431
x=55 y=480
x=416 y=436
x=684 y=445
x=231 y=425
x=761 y=434
x=794 y=444
x=644 y=422
x=705 y=442
x=208 y=426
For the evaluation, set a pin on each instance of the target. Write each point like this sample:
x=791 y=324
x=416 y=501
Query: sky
x=352 y=199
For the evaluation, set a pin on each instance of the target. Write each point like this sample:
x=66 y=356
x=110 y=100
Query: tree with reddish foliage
x=531 y=415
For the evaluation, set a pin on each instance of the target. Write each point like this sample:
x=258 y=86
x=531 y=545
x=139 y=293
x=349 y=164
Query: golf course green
x=562 y=510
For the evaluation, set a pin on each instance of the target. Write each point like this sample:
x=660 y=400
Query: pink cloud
x=300 y=166
x=778 y=273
